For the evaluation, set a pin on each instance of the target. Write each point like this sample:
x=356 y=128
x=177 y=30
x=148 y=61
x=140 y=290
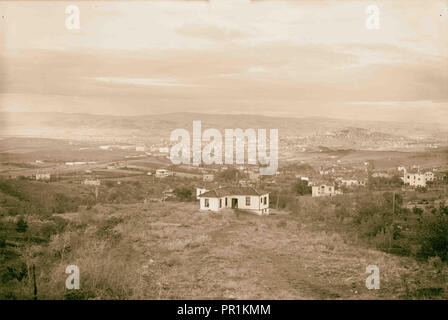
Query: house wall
x=213 y=204
x=318 y=191
x=200 y=191
x=415 y=179
x=256 y=205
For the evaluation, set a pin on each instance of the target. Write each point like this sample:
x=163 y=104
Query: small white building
x=323 y=190
x=381 y=175
x=352 y=182
x=429 y=176
x=162 y=173
x=140 y=149
x=415 y=179
x=245 y=198
x=208 y=177
x=43 y=176
x=92 y=182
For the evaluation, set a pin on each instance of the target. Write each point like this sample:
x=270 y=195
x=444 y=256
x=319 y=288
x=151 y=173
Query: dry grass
x=173 y=251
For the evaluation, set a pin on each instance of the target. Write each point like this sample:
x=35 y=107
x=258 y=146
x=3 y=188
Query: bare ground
x=186 y=254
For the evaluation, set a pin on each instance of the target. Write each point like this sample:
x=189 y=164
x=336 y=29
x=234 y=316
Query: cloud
x=212 y=33
x=142 y=81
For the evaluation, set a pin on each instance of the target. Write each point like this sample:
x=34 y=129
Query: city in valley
x=138 y=226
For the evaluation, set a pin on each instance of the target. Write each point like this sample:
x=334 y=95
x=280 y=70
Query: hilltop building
x=245 y=198
x=324 y=190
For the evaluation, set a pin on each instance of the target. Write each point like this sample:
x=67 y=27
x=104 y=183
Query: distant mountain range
x=339 y=133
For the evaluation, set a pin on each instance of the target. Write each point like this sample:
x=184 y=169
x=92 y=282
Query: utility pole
x=34 y=282
x=278 y=195
x=393 y=203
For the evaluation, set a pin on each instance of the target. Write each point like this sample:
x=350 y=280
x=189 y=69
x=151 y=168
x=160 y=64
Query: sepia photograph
x=224 y=150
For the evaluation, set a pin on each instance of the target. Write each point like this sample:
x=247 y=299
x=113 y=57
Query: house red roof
x=231 y=191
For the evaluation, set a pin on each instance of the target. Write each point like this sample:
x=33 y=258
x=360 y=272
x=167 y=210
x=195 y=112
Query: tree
x=302 y=188
x=230 y=175
x=21 y=225
x=183 y=194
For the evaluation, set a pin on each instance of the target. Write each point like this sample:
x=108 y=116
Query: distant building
x=323 y=190
x=168 y=193
x=104 y=147
x=429 y=176
x=92 y=182
x=352 y=182
x=140 y=148
x=43 y=176
x=414 y=179
x=208 y=177
x=162 y=173
x=380 y=175
x=245 y=198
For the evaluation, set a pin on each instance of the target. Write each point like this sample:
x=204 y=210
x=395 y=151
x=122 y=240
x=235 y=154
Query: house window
x=261 y=200
x=226 y=202
x=247 y=201
x=220 y=203
x=207 y=204
x=265 y=200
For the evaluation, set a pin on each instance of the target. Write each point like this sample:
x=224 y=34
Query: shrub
x=21 y=225
x=183 y=194
x=433 y=236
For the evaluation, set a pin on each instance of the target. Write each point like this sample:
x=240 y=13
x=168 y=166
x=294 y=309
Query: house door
x=234 y=203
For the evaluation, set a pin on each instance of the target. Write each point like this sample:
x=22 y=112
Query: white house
x=415 y=179
x=43 y=176
x=323 y=190
x=245 y=198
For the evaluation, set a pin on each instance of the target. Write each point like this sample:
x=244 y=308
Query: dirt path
x=199 y=256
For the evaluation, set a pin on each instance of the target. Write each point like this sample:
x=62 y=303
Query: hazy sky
x=287 y=58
